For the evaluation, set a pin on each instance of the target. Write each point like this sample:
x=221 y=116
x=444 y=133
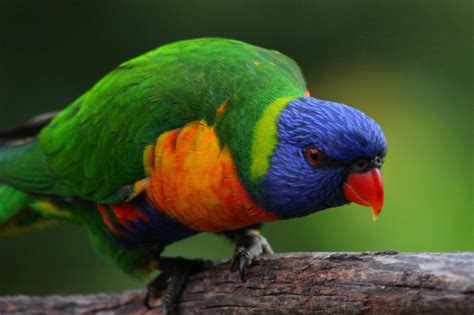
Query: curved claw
x=166 y=288
x=241 y=261
x=155 y=289
x=250 y=246
x=243 y=265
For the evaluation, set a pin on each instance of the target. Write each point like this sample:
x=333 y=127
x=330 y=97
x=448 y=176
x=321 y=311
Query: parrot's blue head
x=328 y=154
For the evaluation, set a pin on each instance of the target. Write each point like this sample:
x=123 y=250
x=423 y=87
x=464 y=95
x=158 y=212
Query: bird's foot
x=166 y=288
x=250 y=245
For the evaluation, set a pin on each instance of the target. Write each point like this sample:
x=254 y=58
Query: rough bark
x=299 y=283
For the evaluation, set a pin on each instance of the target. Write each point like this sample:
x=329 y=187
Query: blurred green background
x=408 y=64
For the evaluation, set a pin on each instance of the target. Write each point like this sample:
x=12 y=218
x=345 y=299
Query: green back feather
x=95 y=146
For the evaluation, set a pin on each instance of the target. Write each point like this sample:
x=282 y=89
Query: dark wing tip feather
x=28 y=129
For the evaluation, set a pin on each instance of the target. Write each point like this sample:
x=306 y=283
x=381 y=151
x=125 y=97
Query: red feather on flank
x=125 y=214
x=128 y=212
x=107 y=220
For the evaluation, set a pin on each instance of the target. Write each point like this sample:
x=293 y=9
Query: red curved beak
x=366 y=189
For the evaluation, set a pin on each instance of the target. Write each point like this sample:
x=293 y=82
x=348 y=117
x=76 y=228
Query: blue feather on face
x=343 y=135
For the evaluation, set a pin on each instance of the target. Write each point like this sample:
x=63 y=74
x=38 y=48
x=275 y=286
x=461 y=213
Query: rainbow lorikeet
x=208 y=134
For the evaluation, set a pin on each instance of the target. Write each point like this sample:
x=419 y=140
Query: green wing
x=95 y=146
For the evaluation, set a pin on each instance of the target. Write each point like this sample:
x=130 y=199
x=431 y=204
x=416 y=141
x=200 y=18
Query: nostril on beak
x=378 y=161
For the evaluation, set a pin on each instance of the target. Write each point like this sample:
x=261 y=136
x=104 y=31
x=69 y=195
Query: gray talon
x=249 y=246
x=166 y=288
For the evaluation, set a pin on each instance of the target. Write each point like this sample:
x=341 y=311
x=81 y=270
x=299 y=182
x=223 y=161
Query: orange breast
x=194 y=181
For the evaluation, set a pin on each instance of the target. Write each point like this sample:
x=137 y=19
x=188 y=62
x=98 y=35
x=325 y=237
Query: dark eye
x=361 y=165
x=313 y=155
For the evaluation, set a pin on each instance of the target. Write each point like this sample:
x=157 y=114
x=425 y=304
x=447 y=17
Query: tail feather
x=21 y=157
x=17 y=212
x=11 y=203
x=15 y=215
x=21 y=212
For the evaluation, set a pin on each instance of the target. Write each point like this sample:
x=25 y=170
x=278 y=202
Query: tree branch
x=299 y=283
